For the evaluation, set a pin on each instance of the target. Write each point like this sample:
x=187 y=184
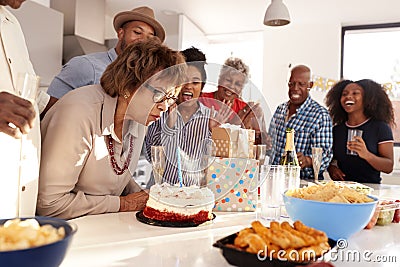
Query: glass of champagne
x=316 y=160
x=158 y=163
x=27 y=86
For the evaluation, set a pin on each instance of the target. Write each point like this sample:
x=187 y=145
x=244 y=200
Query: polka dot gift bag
x=234 y=182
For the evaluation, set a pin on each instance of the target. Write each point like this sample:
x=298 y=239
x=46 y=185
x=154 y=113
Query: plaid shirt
x=313 y=128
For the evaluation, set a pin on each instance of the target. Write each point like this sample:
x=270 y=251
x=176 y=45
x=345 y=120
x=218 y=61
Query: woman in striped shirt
x=185 y=128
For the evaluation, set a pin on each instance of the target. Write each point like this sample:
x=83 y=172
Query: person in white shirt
x=19 y=122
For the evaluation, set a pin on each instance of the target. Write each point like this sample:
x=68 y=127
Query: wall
x=45 y=3
x=191 y=35
x=43 y=38
x=316 y=45
x=90 y=26
x=246 y=46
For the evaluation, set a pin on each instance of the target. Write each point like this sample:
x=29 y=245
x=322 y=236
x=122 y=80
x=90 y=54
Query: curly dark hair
x=195 y=57
x=377 y=104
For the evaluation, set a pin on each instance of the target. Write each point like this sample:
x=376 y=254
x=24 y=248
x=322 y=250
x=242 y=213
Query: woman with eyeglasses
x=185 y=127
x=92 y=137
x=232 y=78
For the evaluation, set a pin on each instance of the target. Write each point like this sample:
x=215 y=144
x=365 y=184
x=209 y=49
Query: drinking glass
x=158 y=163
x=316 y=160
x=272 y=180
x=291 y=180
x=27 y=85
x=351 y=133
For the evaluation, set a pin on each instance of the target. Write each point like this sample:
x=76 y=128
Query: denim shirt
x=81 y=71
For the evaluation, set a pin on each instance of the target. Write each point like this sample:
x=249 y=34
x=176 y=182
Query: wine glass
x=158 y=163
x=316 y=160
x=261 y=153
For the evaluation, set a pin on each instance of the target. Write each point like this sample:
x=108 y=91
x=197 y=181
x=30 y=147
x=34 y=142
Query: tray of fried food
x=281 y=244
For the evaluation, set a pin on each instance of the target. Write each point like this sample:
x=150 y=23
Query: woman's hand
x=221 y=116
x=358 y=145
x=335 y=173
x=133 y=201
x=382 y=162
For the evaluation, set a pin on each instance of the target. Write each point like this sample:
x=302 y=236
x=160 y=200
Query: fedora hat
x=142 y=13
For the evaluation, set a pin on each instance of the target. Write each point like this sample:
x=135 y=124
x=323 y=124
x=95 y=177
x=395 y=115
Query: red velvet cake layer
x=154 y=214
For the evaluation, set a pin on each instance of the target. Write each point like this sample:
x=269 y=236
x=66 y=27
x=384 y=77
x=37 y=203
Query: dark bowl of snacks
x=35 y=242
x=279 y=245
x=337 y=210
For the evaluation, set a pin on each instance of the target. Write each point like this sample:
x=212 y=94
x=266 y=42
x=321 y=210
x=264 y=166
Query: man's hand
x=335 y=173
x=304 y=161
x=19 y=112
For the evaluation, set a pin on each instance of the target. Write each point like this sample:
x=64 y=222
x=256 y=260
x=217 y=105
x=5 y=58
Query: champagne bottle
x=289 y=157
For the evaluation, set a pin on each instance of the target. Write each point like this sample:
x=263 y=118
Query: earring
x=126 y=94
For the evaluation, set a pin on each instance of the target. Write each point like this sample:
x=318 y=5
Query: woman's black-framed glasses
x=161 y=96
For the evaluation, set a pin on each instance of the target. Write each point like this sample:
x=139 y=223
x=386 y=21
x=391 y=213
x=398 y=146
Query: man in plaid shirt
x=310 y=120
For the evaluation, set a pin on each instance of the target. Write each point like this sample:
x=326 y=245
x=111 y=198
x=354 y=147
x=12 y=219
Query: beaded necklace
x=114 y=164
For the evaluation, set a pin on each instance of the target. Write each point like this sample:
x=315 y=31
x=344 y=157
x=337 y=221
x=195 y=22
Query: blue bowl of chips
x=23 y=241
x=337 y=220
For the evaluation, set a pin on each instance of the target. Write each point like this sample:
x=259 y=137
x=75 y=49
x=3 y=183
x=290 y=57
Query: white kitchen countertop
x=118 y=239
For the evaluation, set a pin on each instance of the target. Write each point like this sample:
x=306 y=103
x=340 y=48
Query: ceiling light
x=277 y=14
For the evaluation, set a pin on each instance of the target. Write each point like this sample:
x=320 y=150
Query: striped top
x=313 y=128
x=191 y=137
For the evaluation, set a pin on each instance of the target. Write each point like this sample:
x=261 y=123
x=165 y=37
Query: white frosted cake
x=179 y=204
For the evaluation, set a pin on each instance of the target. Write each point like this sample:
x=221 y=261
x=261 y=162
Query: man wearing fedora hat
x=131 y=26
x=137 y=18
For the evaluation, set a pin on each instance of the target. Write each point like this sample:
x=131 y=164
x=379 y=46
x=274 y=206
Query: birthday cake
x=179 y=204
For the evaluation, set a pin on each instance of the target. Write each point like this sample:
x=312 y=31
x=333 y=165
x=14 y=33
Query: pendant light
x=277 y=14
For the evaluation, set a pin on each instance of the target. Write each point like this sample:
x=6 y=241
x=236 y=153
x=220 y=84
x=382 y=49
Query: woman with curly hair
x=362 y=105
x=92 y=136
